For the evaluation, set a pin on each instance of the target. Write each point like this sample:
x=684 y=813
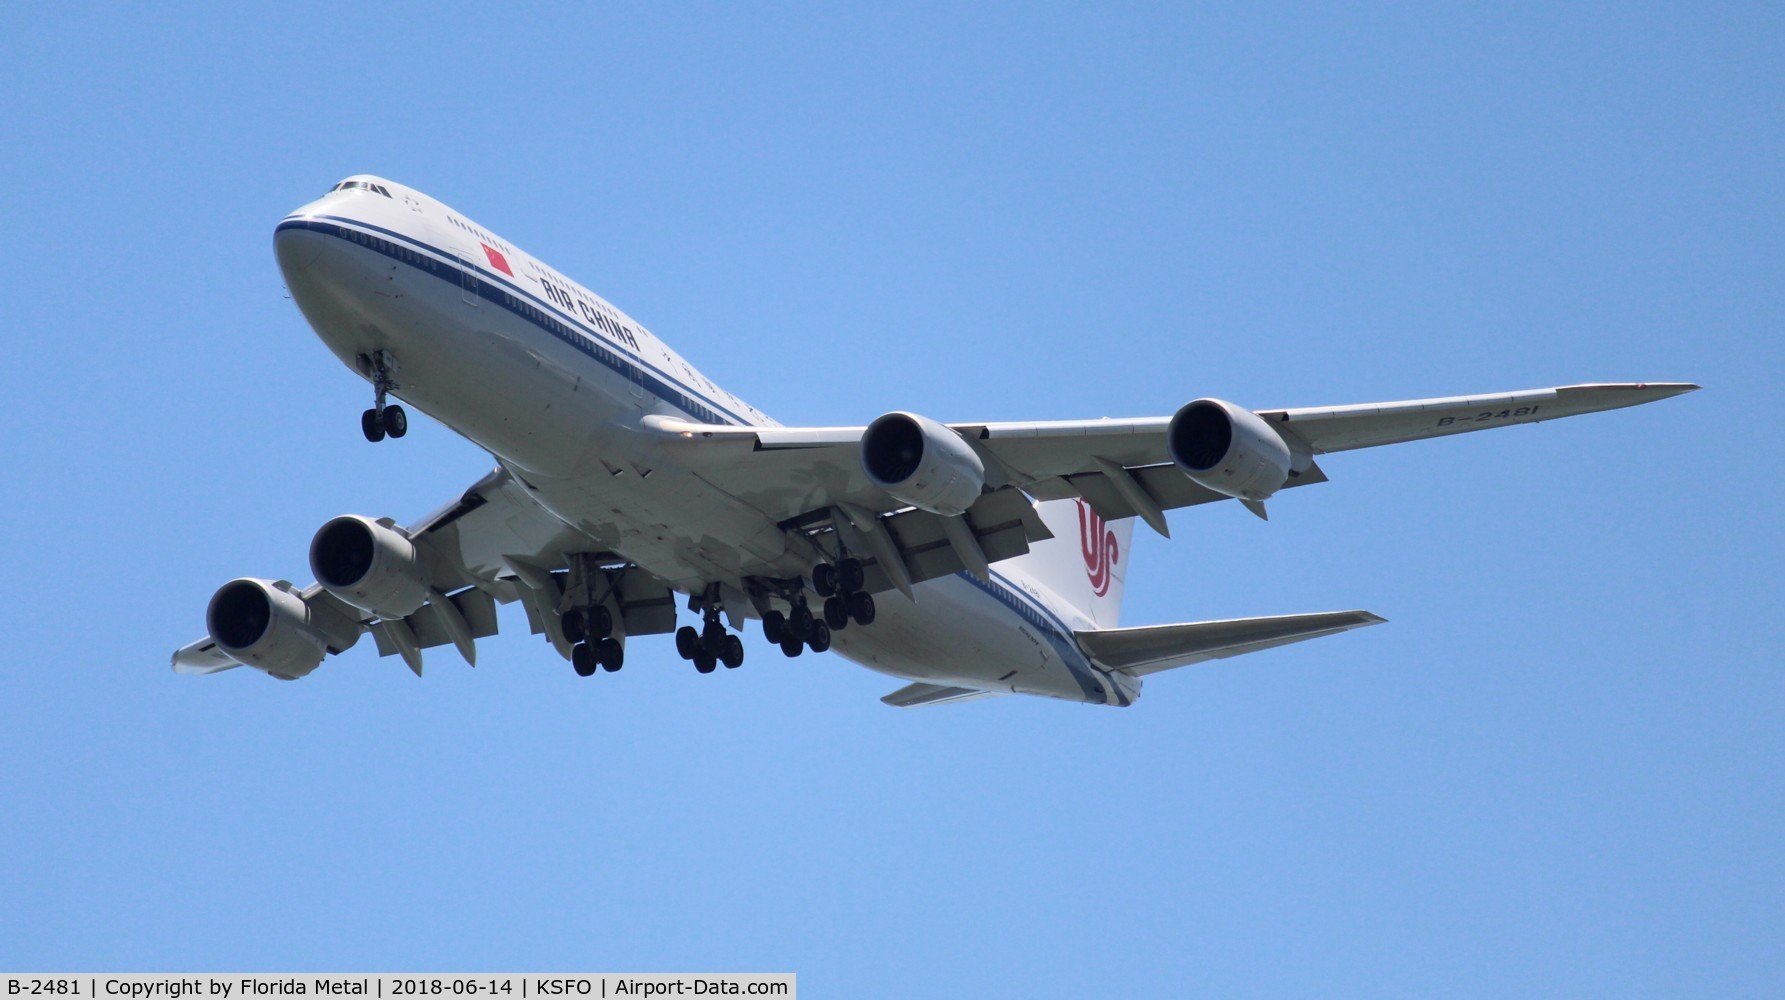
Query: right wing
x=788 y=472
x=812 y=479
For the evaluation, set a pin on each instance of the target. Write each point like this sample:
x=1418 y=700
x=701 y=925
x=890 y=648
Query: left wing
x=493 y=545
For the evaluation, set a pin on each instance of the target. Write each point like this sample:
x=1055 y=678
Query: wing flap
x=477 y=608
x=1166 y=484
x=1003 y=523
x=1149 y=649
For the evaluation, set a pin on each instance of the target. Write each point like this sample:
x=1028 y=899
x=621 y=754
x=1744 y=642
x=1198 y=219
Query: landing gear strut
x=381 y=419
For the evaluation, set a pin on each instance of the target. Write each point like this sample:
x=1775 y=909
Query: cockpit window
x=359 y=186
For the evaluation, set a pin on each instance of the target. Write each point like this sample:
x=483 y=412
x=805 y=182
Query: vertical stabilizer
x=1084 y=563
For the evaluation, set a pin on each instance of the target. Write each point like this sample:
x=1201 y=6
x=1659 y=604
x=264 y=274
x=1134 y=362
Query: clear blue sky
x=1556 y=771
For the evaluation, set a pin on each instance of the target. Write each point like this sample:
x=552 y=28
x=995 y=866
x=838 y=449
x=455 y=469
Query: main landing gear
x=591 y=629
x=381 y=419
x=711 y=645
x=844 y=599
x=587 y=617
x=796 y=630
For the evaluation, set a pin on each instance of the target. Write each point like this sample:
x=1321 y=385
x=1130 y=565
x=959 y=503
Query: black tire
x=850 y=576
x=861 y=608
x=572 y=624
x=836 y=613
x=824 y=579
x=610 y=654
x=799 y=624
x=582 y=658
x=774 y=626
x=396 y=422
x=704 y=662
x=371 y=426
x=733 y=656
x=687 y=642
x=821 y=637
x=792 y=646
x=601 y=622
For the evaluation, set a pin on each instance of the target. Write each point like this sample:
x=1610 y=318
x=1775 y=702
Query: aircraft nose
x=296 y=244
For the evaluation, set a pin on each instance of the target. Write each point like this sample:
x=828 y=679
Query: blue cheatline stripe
x=572 y=331
x=1051 y=626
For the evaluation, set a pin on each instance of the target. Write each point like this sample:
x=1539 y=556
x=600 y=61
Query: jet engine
x=266 y=626
x=1228 y=449
x=370 y=565
x=920 y=462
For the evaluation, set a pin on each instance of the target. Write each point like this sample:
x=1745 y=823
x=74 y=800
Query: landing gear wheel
x=792 y=646
x=687 y=642
x=861 y=608
x=610 y=654
x=836 y=613
x=371 y=426
x=572 y=624
x=396 y=422
x=733 y=654
x=583 y=659
x=821 y=637
x=824 y=579
x=850 y=577
x=799 y=624
x=704 y=662
x=774 y=626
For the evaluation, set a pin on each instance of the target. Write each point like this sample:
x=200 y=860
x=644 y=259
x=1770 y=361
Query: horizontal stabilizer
x=1152 y=648
x=913 y=695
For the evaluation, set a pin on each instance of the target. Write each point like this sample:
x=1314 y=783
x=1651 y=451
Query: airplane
x=969 y=559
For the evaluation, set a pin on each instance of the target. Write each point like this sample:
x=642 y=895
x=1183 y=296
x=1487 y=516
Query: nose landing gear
x=381 y=419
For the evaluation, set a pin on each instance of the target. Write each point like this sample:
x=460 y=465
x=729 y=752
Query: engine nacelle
x=266 y=626
x=920 y=462
x=1228 y=449
x=370 y=565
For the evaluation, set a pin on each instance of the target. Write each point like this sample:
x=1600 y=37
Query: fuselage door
x=636 y=377
x=469 y=284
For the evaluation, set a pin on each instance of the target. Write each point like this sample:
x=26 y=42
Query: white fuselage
x=556 y=384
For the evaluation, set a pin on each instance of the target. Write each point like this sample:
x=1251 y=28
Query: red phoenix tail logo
x=1098 y=545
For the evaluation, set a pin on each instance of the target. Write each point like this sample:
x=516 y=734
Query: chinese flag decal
x=497 y=261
